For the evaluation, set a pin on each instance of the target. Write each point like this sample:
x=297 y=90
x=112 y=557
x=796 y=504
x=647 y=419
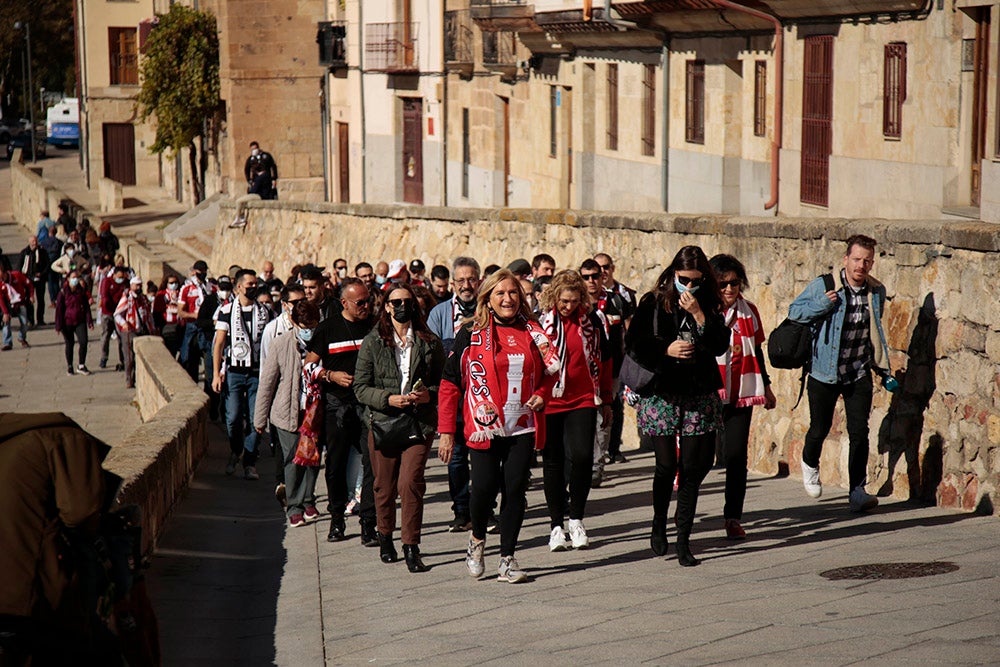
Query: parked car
x=22 y=140
x=9 y=129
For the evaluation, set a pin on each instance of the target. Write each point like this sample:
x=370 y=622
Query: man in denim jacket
x=848 y=346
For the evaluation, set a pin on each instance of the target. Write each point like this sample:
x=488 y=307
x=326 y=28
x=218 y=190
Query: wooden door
x=344 y=158
x=980 y=84
x=413 y=150
x=566 y=194
x=505 y=107
x=119 y=152
x=817 y=120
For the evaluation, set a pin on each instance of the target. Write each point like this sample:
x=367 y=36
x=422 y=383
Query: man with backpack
x=848 y=346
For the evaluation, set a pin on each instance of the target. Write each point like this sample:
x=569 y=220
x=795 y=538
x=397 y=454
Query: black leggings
x=734 y=451
x=80 y=331
x=509 y=459
x=697 y=452
x=569 y=438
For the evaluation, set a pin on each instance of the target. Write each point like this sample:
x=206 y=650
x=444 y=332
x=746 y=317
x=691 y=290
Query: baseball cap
x=200 y=265
x=416 y=266
x=396 y=267
x=520 y=267
x=136 y=280
x=225 y=283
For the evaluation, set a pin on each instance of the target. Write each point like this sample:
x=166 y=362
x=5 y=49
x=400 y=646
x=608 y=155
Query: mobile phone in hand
x=417 y=386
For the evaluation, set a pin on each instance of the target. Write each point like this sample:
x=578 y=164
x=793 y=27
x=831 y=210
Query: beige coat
x=280 y=385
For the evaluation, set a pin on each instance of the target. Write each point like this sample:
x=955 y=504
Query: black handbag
x=633 y=374
x=397 y=430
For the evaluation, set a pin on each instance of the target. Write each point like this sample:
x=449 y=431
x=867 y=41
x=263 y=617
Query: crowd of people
x=360 y=370
x=506 y=364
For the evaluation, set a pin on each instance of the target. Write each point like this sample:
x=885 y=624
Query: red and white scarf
x=133 y=309
x=556 y=330
x=744 y=322
x=483 y=410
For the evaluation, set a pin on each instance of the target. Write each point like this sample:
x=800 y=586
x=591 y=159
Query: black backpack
x=790 y=344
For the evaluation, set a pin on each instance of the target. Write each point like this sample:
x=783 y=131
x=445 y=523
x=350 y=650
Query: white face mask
x=255 y=152
x=223 y=294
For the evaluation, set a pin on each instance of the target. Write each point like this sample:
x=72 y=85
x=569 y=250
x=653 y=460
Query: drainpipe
x=361 y=78
x=444 y=111
x=779 y=62
x=665 y=56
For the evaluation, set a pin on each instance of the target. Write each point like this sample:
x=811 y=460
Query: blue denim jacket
x=813 y=306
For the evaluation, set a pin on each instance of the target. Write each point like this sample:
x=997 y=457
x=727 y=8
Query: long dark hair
x=689 y=258
x=419 y=325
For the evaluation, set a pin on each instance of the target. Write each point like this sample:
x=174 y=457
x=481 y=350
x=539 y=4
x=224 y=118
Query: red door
x=119 y=152
x=817 y=120
x=343 y=151
x=413 y=150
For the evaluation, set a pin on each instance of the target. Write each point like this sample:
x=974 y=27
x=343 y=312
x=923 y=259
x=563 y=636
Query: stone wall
x=937 y=439
x=158 y=460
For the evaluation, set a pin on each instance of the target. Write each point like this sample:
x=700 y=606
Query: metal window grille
x=124 y=56
x=499 y=48
x=649 y=110
x=458 y=37
x=612 y=134
x=817 y=120
x=760 y=98
x=694 y=117
x=894 y=90
x=496 y=3
x=466 y=157
x=332 y=39
x=391 y=47
x=553 y=138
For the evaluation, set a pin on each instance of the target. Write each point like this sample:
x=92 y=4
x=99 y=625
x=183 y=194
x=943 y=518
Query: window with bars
x=612 y=133
x=694 y=116
x=894 y=90
x=553 y=105
x=649 y=110
x=760 y=98
x=123 y=54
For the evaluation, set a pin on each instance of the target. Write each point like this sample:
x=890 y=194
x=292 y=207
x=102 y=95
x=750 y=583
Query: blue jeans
x=458 y=476
x=22 y=316
x=241 y=397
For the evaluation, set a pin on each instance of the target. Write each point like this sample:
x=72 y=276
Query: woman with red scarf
x=497 y=376
x=583 y=385
x=165 y=313
x=745 y=384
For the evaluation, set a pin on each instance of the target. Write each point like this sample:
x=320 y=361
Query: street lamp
x=31 y=89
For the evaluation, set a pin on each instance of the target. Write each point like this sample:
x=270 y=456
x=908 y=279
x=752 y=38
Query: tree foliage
x=52 y=60
x=180 y=77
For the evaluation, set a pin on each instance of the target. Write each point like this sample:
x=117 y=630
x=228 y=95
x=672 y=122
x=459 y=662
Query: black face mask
x=403 y=313
x=201 y=276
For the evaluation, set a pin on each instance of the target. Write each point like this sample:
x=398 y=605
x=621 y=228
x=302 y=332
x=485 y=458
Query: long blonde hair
x=481 y=318
x=567 y=279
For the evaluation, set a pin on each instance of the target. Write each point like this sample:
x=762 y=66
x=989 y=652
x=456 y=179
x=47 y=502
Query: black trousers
x=569 y=444
x=39 y=314
x=508 y=460
x=617 y=426
x=857 y=408
x=79 y=332
x=346 y=429
x=697 y=453
x=735 y=438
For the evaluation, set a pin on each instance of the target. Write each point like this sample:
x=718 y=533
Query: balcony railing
x=496 y=3
x=332 y=39
x=458 y=37
x=499 y=48
x=391 y=47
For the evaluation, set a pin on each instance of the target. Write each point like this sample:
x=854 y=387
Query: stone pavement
x=35 y=380
x=232 y=585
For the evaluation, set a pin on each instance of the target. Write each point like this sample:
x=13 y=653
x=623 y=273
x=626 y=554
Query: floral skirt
x=679 y=415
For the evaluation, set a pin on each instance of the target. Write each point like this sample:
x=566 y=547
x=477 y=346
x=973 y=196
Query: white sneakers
x=860 y=500
x=509 y=571
x=578 y=534
x=557 y=540
x=810 y=480
x=474 y=558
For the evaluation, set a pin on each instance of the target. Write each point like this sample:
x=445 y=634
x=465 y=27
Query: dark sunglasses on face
x=604 y=267
x=723 y=284
x=590 y=276
x=292 y=302
x=360 y=303
x=693 y=282
x=395 y=303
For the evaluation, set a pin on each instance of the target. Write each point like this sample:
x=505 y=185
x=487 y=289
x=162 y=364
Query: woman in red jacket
x=583 y=386
x=73 y=319
x=497 y=374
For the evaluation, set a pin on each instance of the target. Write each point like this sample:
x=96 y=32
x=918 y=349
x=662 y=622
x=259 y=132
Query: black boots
x=413 y=562
x=658 y=538
x=337 y=528
x=369 y=535
x=387 y=550
x=684 y=556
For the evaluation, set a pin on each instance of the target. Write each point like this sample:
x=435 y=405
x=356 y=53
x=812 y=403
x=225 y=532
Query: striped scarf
x=747 y=333
x=556 y=330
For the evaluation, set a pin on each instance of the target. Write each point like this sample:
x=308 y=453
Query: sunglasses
x=604 y=267
x=723 y=284
x=684 y=280
x=395 y=303
x=360 y=303
x=590 y=276
x=292 y=302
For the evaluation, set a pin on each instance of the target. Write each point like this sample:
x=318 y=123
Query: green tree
x=180 y=84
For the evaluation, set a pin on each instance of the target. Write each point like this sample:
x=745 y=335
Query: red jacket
x=111 y=294
x=22 y=287
x=72 y=308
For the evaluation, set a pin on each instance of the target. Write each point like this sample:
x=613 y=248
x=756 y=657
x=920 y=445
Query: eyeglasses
x=590 y=276
x=604 y=267
x=464 y=281
x=685 y=280
x=723 y=284
x=395 y=303
x=360 y=303
x=292 y=302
